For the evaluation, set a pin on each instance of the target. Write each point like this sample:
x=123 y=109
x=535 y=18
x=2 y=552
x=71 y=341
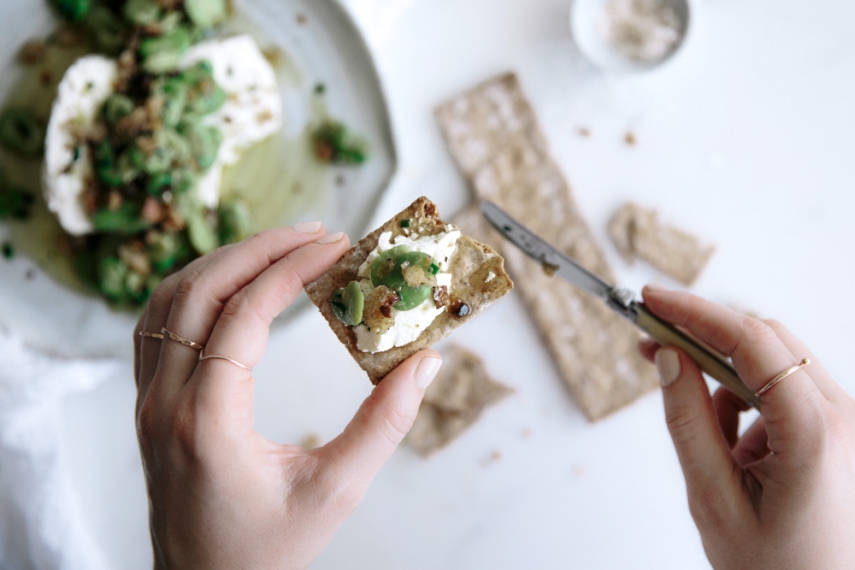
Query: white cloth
x=41 y=526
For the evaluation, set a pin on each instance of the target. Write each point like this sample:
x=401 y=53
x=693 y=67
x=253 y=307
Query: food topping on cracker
x=403 y=285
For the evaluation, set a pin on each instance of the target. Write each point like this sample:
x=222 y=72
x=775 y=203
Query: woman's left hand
x=221 y=495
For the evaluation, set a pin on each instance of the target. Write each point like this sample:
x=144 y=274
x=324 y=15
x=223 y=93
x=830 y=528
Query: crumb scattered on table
x=629 y=138
x=302 y=19
x=584 y=132
x=494 y=457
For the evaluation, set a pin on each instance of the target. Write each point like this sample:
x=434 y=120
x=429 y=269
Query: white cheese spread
x=408 y=325
x=251 y=113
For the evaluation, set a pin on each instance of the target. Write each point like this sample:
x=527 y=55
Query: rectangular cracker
x=470 y=267
x=454 y=401
x=638 y=234
x=494 y=136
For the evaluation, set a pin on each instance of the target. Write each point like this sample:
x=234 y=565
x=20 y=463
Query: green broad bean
x=21 y=133
x=125 y=165
x=124 y=221
x=162 y=251
x=206 y=13
x=235 y=221
x=117 y=107
x=142 y=12
x=388 y=268
x=71 y=10
x=203 y=236
x=205 y=144
x=15 y=202
x=112 y=275
x=207 y=100
x=108 y=30
x=348 y=304
x=159 y=182
x=175 y=93
x=170 y=22
x=161 y=54
x=106 y=166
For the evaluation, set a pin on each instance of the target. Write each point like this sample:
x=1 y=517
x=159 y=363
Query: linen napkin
x=41 y=523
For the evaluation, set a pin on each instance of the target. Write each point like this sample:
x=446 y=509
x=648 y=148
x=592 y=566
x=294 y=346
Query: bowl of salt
x=629 y=35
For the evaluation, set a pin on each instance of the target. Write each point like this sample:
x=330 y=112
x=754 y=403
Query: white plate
x=321 y=45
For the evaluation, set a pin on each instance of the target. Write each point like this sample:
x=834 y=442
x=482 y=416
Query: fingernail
x=654 y=288
x=307 y=227
x=668 y=365
x=426 y=371
x=332 y=238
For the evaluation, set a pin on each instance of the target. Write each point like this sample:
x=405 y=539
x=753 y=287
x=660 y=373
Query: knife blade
x=621 y=300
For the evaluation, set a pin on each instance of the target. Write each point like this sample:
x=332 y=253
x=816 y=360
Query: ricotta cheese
x=408 y=325
x=80 y=95
x=251 y=113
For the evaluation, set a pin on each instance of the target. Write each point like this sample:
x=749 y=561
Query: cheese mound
x=252 y=112
x=408 y=325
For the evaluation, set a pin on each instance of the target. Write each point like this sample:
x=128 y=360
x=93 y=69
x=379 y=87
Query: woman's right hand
x=782 y=496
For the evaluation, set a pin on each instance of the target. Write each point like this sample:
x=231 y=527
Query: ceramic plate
x=316 y=43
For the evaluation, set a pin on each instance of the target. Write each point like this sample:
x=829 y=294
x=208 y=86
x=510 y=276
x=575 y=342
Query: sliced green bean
x=21 y=132
x=71 y=10
x=206 y=13
x=388 y=270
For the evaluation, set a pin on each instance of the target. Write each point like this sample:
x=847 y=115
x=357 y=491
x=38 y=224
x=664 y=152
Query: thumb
x=382 y=421
x=708 y=465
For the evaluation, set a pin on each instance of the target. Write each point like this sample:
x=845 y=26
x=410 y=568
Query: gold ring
x=157 y=336
x=227 y=359
x=781 y=376
x=180 y=339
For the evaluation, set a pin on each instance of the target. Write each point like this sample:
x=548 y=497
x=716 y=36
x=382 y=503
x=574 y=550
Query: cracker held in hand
x=494 y=136
x=405 y=286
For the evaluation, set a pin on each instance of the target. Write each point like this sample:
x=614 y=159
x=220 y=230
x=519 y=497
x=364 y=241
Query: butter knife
x=619 y=299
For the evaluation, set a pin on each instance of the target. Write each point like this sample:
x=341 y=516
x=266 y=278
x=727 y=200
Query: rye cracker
x=494 y=136
x=478 y=279
x=638 y=233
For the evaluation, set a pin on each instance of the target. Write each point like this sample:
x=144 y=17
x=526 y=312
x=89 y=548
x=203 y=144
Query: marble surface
x=745 y=137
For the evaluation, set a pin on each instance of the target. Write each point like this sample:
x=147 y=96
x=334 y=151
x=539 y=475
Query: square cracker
x=470 y=267
x=494 y=136
x=454 y=401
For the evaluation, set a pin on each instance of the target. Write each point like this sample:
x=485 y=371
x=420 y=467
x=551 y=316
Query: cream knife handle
x=714 y=365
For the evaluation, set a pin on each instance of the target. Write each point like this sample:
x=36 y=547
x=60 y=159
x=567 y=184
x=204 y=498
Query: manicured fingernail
x=654 y=288
x=332 y=238
x=426 y=371
x=307 y=227
x=668 y=365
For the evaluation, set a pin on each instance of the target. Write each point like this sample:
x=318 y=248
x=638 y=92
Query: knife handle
x=713 y=364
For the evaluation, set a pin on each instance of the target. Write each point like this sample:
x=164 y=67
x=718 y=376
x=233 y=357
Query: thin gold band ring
x=227 y=359
x=180 y=339
x=147 y=334
x=781 y=376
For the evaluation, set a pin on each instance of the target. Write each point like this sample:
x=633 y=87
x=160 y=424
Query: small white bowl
x=588 y=22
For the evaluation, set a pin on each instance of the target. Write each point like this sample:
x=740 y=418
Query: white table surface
x=746 y=137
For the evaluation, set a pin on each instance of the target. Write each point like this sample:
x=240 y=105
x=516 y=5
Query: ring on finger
x=154 y=335
x=781 y=376
x=180 y=339
x=226 y=358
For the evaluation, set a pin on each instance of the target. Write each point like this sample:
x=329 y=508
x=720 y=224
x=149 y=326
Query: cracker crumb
x=629 y=138
x=579 y=471
x=302 y=19
x=494 y=457
x=33 y=52
x=583 y=132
